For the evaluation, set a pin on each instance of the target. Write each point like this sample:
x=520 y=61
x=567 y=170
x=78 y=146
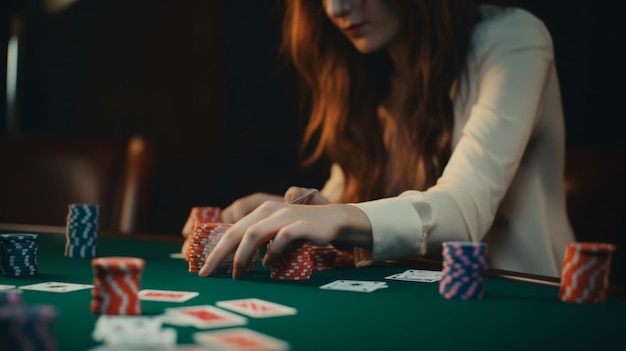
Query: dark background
x=201 y=78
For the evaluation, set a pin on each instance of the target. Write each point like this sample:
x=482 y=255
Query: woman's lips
x=355 y=30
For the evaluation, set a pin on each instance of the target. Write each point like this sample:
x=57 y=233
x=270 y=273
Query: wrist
x=355 y=228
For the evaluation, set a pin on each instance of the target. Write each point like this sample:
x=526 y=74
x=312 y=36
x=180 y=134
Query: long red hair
x=346 y=87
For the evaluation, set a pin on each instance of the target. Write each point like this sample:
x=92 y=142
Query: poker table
x=518 y=312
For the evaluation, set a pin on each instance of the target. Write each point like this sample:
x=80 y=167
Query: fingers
x=229 y=214
x=283 y=238
x=253 y=238
x=188 y=227
x=185 y=247
x=243 y=206
x=232 y=239
x=294 y=192
x=224 y=247
x=283 y=223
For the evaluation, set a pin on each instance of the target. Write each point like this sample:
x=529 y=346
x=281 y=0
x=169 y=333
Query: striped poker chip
x=11 y=237
x=324 y=257
x=28 y=327
x=203 y=239
x=111 y=263
x=116 y=285
x=295 y=264
x=283 y=277
x=585 y=272
x=207 y=214
x=11 y=297
x=82 y=230
x=18 y=254
x=464 y=265
x=344 y=258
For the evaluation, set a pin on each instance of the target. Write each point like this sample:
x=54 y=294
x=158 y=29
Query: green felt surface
x=405 y=316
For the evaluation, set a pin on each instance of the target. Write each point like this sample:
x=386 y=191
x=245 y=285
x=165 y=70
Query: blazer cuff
x=396 y=228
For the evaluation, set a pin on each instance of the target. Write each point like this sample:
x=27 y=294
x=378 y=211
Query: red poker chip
x=592 y=247
x=118 y=263
x=197 y=254
x=291 y=278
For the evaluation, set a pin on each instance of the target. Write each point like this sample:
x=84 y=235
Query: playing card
x=257 y=308
x=354 y=285
x=130 y=332
x=204 y=316
x=239 y=339
x=179 y=347
x=417 y=275
x=58 y=287
x=304 y=199
x=166 y=295
x=6 y=287
x=107 y=325
x=178 y=255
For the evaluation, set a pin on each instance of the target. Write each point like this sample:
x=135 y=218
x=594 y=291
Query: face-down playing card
x=257 y=308
x=354 y=285
x=58 y=287
x=202 y=316
x=238 y=339
x=166 y=295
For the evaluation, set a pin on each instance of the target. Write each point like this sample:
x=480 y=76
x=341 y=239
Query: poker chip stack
x=116 y=285
x=323 y=257
x=326 y=257
x=206 y=214
x=18 y=255
x=295 y=264
x=11 y=297
x=585 y=273
x=464 y=265
x=203 y=240
x=344 y=258
x=24 y=327
x=82 y=230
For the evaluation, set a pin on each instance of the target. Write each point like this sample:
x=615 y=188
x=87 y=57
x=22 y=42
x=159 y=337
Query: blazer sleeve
x=511 y=60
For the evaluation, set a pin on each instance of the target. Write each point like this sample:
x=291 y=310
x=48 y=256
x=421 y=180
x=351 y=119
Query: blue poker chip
x=464 y=265
x=16 y=274
x=11 y=297
x=82 y=230
x=18 y=237
x=28 y=327
x=18 y=248
x=18 y=254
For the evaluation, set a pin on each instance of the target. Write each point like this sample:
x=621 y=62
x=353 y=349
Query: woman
x=457 y=100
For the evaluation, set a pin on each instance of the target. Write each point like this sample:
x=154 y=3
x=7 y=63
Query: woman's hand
x=284 y=223
x=242 y=206
x=230 y=214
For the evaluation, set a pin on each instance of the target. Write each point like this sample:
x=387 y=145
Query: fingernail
x=267 y=260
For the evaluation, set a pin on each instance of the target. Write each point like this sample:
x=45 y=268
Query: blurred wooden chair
x=595 y=181
x=40 y=176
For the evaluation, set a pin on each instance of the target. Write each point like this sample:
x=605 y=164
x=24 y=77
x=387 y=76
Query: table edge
x=419 y=262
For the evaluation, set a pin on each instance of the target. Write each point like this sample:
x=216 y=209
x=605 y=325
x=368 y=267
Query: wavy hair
x=346 y=87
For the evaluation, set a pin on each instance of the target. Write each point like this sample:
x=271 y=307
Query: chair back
x=40 y=176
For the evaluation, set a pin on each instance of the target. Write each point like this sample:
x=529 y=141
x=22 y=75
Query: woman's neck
x=399 y=58
x=400 y=80
x=395 y=101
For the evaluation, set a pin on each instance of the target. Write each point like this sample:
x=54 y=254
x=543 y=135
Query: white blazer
x=504 y=181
